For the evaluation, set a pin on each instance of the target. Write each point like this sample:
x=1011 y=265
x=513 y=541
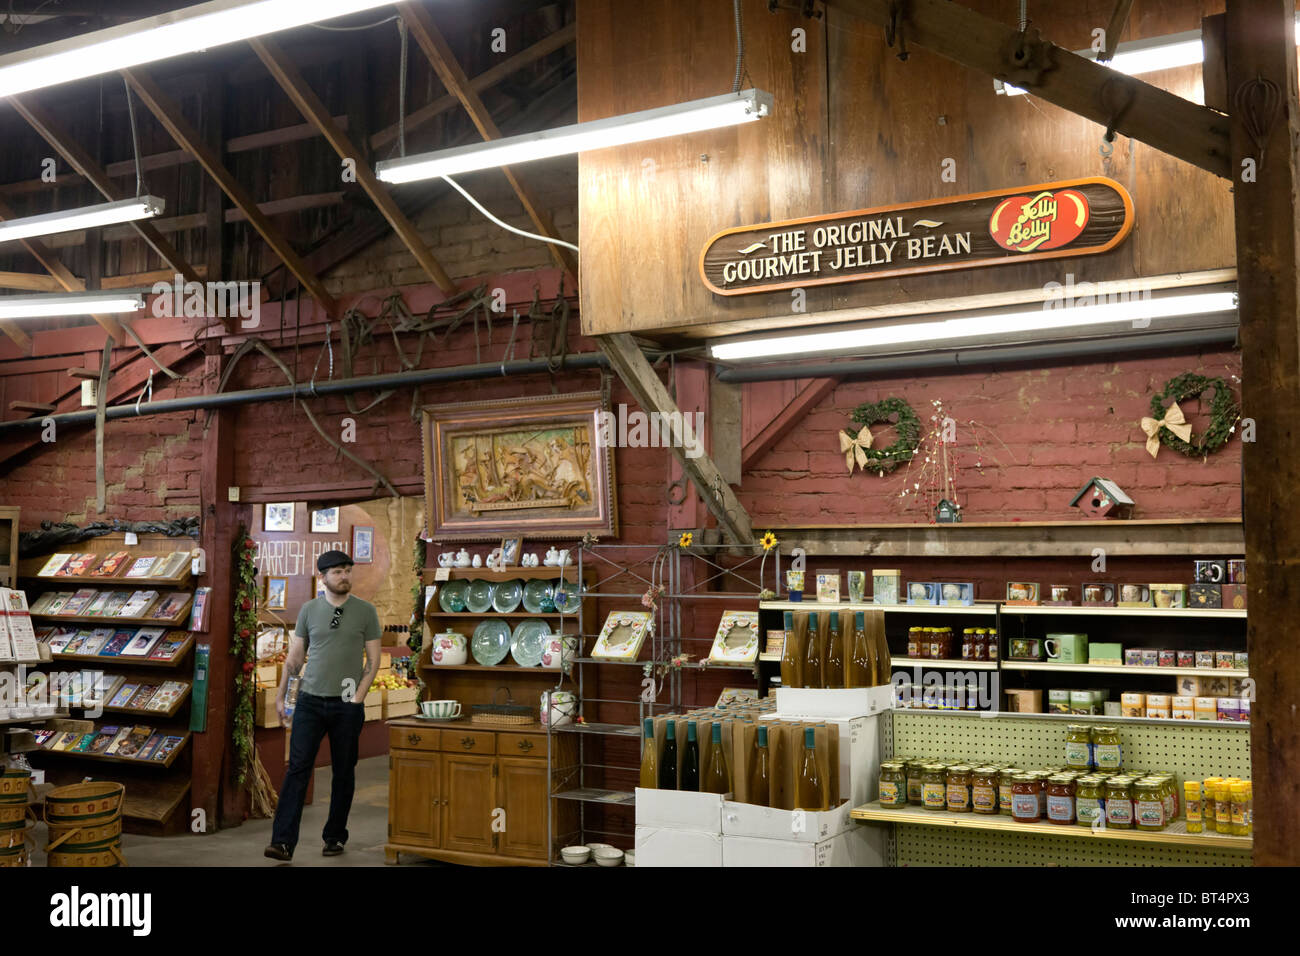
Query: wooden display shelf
x=1076 y=718
x=943 y=662
x=487 y=574
x=22 y=721
x=979 y=609
x=131 y=661
x=490 y=614
x=159 y=714
x=499 y=668
x=133 y=761
x=1089 y=611
x=174 y=622
x=108 y=584
x=1010 y=664
x=1175 y=833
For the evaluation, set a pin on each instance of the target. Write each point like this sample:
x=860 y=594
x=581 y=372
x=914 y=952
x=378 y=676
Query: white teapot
x=462 y=558
x=552 y=558
x=564 y=559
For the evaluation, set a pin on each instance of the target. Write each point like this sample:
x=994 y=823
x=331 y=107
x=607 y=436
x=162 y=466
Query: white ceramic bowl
x=629 y=858
x=593 y=847
x=575 y=855
x=609 y=856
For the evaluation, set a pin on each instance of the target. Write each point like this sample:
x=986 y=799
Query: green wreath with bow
x=857 y=445
x=1224 y=413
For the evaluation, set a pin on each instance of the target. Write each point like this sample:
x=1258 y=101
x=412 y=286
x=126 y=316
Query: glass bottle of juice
x=810 y=792
x=859 y=665
x=690 y=760
x=649 y=758
x=716 y=777
x=833 y=666
x=812 y=659
x=760 y=783
x=791 y=660
x=668 y=759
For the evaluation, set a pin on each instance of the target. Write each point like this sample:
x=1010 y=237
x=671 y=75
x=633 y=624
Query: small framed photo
x=510 y=548
x=277 y=594
x=363 y=543
x=325 y=521
x=317 y=585
x=278 y=517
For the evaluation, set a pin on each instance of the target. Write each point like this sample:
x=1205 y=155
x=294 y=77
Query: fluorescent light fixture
x=729 y=109
x=1145 y=56
x=69 y=303
x=939 y=334
x=188 y=30
x=88 y=217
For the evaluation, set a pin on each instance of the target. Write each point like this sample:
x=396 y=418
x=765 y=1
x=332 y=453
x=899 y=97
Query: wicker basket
x=85 y=824
x=508 y=714
x=13 y=786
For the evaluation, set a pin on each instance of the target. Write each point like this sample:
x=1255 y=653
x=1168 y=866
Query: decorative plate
x=567 y=596
x=537 y=597
x=736 y=639
x=491 y=642
x=622 y=635
x=451 y=596
x=507 y=596
x=530 y=640
x=479 y=596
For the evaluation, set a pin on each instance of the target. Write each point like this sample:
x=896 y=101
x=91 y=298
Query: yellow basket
x=13 y=786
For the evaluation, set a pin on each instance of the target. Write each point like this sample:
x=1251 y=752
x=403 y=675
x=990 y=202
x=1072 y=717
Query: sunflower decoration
x=769 y=541
x=685 y=540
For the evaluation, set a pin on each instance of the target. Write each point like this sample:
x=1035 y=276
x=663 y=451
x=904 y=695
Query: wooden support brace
x=652 y=396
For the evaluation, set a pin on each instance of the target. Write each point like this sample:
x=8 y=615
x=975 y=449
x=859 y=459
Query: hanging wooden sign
x=1003 y=227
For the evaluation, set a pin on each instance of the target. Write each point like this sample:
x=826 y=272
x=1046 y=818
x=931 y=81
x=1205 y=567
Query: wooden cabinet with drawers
x=462 y=794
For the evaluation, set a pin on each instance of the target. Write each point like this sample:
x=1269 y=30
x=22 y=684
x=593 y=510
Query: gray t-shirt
x=335 y=654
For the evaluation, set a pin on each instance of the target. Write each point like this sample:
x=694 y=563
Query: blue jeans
x=313 y=718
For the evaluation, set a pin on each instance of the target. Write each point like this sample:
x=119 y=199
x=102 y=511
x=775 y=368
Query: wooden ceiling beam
x=169 y=115
x=449 y=70
x=29 y=282
x=80 y=160
x=314 y=111
x=484 y=81
x=1185 y=130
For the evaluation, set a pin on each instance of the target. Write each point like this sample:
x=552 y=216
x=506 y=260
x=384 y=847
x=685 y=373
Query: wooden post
x=1261 y=46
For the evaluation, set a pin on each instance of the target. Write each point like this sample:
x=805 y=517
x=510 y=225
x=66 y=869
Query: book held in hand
x=112 y=565
x=52 y=566
x=143 y=642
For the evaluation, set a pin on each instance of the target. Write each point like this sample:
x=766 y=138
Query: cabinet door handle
x=525 y=745
x=467 y=742
x=413 y=739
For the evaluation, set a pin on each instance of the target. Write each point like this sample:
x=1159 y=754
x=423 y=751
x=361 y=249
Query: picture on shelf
x=276 y=593
x=510 y=548
x=363 y=543
x=278 y=517
x=325 y=521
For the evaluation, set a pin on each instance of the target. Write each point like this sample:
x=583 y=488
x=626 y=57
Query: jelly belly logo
x=1039 y=223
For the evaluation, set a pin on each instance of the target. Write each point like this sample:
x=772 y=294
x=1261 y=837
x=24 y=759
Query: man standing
x=331 y=700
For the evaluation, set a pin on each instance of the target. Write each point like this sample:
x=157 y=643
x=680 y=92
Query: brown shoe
x=279 y=851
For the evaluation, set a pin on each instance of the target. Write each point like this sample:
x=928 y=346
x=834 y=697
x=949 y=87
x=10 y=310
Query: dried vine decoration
x=1224 y=413
x=908 y=428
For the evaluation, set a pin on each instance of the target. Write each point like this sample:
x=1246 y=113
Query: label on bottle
x=1193 y=811
x=1024 y=806
x=935 y=651
x=1238 y=813
x=984 y=797
x=1119 y=811
x=1108 y=756
x=933 y=795
x=889 y=795
x=958 y=796
x=1150 y=813
x=1077 y=754
x=1089 y=809
x=1060 y=809
x=913 y=789
x=913 y=649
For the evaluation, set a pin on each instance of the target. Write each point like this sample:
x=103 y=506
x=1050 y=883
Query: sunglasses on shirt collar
x=338 y=614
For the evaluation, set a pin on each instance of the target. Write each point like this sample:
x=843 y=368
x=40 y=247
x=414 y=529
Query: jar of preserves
x=1106 y=751
x=893 y=784
x=1243 y=812
x=959 y=784
x=914 y=642
x=984 y=790
x=1006 y=777
x=1060 y=799
x=968 y=644
x=915 y=769
x=992 y=644
x=980 y=644
x=1089 y=800
x=1025 y=807
x=1192 y=797
x=1222 y=806
x=1207 y=802
x=1148 y=804
x=934 y=787
x=1168 y=794
x=1078 y=746
x=1119 y=803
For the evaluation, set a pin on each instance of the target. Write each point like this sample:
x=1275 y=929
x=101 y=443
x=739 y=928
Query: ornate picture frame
x=534 y=467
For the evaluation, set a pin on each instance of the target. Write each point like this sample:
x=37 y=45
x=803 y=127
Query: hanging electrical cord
x=401 y=88
x=367 y=26
x=740 y=47
x=1024 y=15
x=505 y=225
x=135 y=139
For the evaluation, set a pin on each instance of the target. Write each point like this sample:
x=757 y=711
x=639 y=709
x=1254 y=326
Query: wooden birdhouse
x=945 y=512
x=1102 y=498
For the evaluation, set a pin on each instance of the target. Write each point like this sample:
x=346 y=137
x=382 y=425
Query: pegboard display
x=1189 y=752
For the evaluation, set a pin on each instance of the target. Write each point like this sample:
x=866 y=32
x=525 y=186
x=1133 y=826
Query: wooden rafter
x=448 y=68
x=29 y=281
x=635 y=371
x=313 y=110
x=1185 y=130
x=80 y=160
x=484 y=81
x=809 y=397
x=169 y=115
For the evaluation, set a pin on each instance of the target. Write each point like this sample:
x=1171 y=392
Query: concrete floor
x=243 y=845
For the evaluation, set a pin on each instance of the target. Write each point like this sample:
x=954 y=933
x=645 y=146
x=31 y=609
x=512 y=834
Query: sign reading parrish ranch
x=1079 y=217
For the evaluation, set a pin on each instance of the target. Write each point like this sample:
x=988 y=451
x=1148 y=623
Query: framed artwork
x=277 y=594
x=621 y=637
x=325 y=521
x=317 y=586
x=536 y=466
x=510 y=551
x=736 y=639
x=278 y=517
x=363 y=543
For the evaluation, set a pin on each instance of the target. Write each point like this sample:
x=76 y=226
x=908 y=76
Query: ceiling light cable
x=401 y=89
x=740 y=47
x=505 y=225
x=135 y=140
